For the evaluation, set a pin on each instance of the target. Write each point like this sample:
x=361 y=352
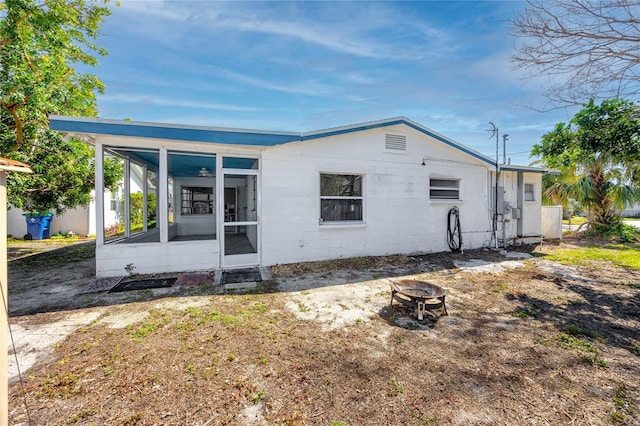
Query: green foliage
x=394 y=388
x=83 y=414
x=568 y=341
x=136 y=206
x=524 y=313
x=60 y=385
x=41 y=43
x=619 y=232
x=598 y=156
x=623 y=406
x=149 y=327
x=257 y=396
x=574 y=338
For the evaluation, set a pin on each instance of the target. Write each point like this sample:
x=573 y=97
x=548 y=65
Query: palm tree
x=597 y=156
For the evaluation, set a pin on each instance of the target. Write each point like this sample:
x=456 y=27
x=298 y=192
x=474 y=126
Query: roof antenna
x=494 y=132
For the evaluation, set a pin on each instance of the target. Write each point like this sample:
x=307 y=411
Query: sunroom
x=187 y=210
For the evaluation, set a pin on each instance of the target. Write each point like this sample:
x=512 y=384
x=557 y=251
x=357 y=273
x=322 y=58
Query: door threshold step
x=241 y=279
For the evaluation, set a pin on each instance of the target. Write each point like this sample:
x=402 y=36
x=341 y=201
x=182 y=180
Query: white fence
x=552 y=222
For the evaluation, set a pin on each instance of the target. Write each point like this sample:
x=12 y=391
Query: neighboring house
x=229 y=198
x=80 y=220
x=631 y=210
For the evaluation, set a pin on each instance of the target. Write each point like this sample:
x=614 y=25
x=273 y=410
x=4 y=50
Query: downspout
x=520 y=205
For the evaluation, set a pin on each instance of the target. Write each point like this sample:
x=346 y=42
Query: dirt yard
x=525 y=342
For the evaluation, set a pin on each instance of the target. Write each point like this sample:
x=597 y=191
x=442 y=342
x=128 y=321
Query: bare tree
x=587 y=49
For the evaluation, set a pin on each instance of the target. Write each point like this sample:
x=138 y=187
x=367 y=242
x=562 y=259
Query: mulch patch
x=143 y=284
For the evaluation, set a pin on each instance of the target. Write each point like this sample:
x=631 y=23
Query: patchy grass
x=394 y=388
x=56 y=253
x=575 y=220
x=155 y=321
x=527 y=346
x=621 y=255
x=624 y=408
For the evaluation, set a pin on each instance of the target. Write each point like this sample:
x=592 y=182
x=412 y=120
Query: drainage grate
x=143 y=284
x=235 y=276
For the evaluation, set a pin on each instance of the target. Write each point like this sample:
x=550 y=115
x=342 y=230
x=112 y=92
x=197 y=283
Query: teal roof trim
x=160 y=131
x=83 y=125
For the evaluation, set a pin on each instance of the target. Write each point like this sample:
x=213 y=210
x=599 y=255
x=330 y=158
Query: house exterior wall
x=530 y=211
x=399 y=217
x=148 y=258
x=77 y=220
x=631 y=210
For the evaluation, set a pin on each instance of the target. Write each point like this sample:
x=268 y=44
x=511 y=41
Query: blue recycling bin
x=38 y=226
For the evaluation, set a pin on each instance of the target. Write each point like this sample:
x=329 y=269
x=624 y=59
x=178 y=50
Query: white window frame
x=337 y=197
x=532 y=192
x=433 y=187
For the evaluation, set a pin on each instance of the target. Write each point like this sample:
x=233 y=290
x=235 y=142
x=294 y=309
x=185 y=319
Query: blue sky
x=302 y=66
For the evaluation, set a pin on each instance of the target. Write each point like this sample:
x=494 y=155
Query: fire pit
x=422 y=296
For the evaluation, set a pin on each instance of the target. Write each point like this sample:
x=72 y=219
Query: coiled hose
x=454 y=234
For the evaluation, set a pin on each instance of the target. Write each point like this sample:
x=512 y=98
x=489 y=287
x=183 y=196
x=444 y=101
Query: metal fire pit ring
x=422 y=296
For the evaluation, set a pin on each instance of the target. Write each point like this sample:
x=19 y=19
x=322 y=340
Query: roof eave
x=96 y=126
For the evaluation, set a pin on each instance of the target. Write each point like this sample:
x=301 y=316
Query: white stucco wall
x=81 y=220
x=530 y=214
x=76 y=220
x=631 y=210
x=148 y=258
x=398 y=215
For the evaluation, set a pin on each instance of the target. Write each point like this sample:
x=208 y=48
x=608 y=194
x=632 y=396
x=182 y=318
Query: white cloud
x=360 y=29
x=307 y=87
x=155 y=100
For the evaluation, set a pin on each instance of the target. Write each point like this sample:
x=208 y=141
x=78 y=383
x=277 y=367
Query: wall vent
x=396 y=143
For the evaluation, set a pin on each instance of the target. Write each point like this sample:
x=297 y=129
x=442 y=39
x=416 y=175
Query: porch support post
x=4 y=358
x=99 y=193
x=127 y=197
x=145 y=191
x=163 y=201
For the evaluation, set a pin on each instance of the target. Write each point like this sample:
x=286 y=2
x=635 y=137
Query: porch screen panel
x=137 y=177
x=240 y=214
x=191 y=201
x=152 y=198
x=113 y=214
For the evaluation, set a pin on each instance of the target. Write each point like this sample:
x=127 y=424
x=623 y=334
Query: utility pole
x=504 y=161
x=494 y=132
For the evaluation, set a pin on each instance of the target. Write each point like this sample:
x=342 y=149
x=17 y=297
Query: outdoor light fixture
x=203 y=172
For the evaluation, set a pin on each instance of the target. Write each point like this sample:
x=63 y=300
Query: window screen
x=340 y=197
